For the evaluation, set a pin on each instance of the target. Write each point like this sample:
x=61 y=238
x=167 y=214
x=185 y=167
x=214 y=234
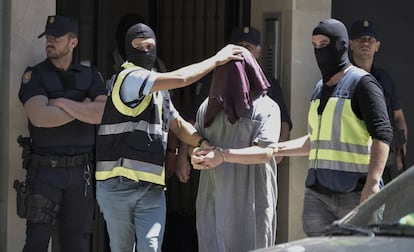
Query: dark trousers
x=180 y=227
x=66 y=187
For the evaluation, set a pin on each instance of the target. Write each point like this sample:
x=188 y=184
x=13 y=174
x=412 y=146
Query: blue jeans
x=320 y=210
x=133 y=211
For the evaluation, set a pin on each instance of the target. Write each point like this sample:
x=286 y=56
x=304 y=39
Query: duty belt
x=61 y=161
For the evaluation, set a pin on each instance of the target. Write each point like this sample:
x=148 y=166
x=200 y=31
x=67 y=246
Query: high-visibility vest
x=340 y=142
x=131 y=140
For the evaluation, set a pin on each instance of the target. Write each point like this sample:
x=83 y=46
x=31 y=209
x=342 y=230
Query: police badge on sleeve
x=26 y=77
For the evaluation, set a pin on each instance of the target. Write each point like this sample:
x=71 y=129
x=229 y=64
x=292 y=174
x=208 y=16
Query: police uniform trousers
x=66 y=187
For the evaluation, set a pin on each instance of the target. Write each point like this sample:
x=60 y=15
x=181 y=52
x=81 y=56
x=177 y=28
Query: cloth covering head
x=334 y=57
x=58 y=26
x=362 y=28
x=145 y=59
x=247 y=34
x=233 y=86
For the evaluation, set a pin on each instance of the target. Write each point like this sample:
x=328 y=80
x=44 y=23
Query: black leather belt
x=61 y=161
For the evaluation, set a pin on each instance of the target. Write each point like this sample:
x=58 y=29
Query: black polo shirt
x=77 y=83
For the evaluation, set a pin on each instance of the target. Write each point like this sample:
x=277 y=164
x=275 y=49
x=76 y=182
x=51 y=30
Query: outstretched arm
x=296 y=147
x=202 y=159
x=192 y=73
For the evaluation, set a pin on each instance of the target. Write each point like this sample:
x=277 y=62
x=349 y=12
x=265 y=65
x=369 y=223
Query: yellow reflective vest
x=340 y=142
x=131 y=139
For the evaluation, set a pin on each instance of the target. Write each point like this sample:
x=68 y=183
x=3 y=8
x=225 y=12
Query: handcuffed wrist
x=200 y=142
x=222 y=153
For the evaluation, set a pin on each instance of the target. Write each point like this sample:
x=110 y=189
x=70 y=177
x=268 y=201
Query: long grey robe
x=236 y=204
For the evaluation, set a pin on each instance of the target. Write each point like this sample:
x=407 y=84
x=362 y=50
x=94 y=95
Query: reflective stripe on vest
x=127 y=167
x=123 y=127
x=116 y=93
x=339 y=139
x=124 y=167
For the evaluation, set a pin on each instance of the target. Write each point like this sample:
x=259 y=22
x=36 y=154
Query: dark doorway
x=187 y=31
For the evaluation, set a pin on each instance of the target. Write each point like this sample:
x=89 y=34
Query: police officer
x=349 y=133
x=132 y=139
x=364 y=44
x=63 y=100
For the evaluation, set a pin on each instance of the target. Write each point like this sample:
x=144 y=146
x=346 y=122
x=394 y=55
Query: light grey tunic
x=236 y=203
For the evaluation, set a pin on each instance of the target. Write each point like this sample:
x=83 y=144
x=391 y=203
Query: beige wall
x=299 y=74
x=28 y=18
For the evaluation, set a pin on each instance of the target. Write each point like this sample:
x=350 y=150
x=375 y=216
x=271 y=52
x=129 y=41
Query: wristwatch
x=173 y=150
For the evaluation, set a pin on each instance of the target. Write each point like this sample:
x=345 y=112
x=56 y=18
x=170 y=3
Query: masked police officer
x=349 y=133
x=132 y=140
x=63 y=100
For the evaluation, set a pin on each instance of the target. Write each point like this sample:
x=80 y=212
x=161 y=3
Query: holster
x=22 y=187
x=41 y=209
x=26 y=144
x=34 y=207
x=21 y=199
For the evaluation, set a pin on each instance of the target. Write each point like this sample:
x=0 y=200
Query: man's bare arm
x=87 y=111
x=185 y=131
x=379 y=155
x=41 y=114
x=296 y=147
x=401 y=124
x=202 y=159
x=192 y=73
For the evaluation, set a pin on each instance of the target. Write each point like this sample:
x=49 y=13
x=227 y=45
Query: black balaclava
x=139 y=57
x=334 y=57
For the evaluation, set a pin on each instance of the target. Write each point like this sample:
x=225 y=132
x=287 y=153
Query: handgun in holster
x=41 y=209
x=22 y=195
x=26 y=144
x=33 y=207
x=21 y=187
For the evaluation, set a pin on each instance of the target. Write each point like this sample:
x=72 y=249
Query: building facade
x=286 y=27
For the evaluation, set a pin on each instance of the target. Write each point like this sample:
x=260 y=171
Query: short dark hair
x=73 y=35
